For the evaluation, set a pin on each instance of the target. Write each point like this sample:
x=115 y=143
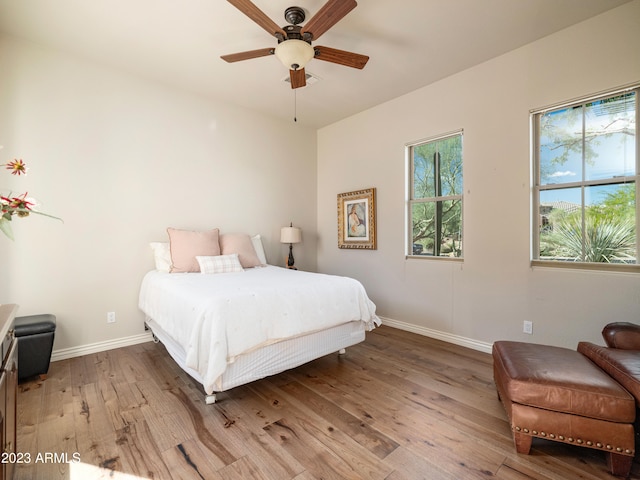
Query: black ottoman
x=35 y=342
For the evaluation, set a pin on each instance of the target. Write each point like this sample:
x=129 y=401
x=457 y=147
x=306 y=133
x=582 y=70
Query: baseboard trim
x=445 y=337
x=64 y=353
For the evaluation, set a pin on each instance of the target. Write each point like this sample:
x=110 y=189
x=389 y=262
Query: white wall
x=120 y=159
x=488 y=296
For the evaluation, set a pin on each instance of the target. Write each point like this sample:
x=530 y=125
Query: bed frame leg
x=342 y=351
x=210 y=399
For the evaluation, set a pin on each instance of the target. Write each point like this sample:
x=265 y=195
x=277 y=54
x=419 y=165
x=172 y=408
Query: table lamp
x=290 y=235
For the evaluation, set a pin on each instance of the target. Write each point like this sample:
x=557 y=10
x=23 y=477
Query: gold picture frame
x=357 y=219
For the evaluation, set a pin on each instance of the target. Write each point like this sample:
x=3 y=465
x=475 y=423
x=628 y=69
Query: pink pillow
x=241 y=244
x=185 y=245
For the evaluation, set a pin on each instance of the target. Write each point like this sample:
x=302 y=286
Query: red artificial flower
x=19 y=205
x=17 y=167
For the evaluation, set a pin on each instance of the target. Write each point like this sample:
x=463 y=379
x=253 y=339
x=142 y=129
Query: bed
x=230 y=329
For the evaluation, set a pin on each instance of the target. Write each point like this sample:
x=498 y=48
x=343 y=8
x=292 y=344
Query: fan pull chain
x=295 y=105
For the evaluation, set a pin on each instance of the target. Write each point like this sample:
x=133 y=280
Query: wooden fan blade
x=254 y=13
x=298 y=78
x=236 y=57
x=331 y=13
x=341 y=57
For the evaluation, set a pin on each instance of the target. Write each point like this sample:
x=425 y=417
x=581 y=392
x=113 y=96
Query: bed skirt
x=270 y=359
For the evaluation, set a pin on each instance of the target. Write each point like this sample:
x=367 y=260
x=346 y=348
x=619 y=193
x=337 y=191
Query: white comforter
x=218 y=317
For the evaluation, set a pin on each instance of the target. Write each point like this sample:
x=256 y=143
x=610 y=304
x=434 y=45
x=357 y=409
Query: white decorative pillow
x=161 y=255
x=241 y=244
x=219 y=264
x=257 y=245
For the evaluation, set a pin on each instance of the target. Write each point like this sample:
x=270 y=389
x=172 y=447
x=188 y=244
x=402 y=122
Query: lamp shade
x=294 y=54
x=290 y=235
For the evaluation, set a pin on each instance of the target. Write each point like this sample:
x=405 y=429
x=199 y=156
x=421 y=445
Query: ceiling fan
x=294 y=48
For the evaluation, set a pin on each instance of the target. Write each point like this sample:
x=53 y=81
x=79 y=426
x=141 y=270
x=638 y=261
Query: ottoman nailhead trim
x=571 y=439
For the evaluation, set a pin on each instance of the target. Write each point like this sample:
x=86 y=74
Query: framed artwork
x=357 y=219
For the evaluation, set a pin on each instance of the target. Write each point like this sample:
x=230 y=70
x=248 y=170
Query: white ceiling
x=411 y=43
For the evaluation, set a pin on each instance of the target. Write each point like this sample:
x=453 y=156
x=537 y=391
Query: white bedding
x=215 y=318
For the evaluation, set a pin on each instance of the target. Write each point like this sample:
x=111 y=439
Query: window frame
x=410 y=199
x=537 y=188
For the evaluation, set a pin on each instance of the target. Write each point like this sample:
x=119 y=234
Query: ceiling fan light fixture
x=294 y=54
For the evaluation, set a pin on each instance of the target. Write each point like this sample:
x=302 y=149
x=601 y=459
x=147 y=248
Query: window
x=434 y=189
x=586 y=182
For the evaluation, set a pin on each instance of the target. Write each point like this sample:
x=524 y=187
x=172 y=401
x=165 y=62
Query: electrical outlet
x=527 y=327
x=111 y=317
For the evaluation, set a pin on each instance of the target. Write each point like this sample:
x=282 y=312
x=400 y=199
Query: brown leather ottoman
x=558 y=394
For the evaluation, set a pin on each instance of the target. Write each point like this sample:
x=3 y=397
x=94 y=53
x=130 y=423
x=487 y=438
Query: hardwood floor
x=398 y=406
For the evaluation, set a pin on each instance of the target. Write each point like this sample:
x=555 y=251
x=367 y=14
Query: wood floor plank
x=265 y=451
x=82 y=371
x=254 y=408
x=434 y=439
x=401 y=394
x=30 y=398
x=410 y=466
x=374 y=441
x=59 y=378
x=454 y=382
x=131 y=368
x=189 y=460
x=208 y=427
x=398 y=406
x=306 y=427
x=241 y=469
x=299 y=439
x=91 y=419
x=139 y=452
x=559 y=461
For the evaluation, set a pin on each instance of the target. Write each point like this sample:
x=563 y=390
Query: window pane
x=424 y=171
x=554 y=203
x=451 y=238
x=555 y=206
x=437 y=228
x=610 y=137
x=610 y=224
x=450 y=150
x=561 y=146
x=423 y=228
x=604 y=231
